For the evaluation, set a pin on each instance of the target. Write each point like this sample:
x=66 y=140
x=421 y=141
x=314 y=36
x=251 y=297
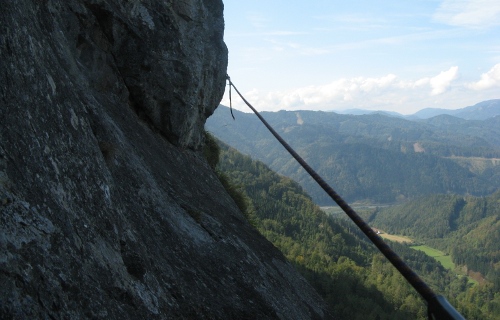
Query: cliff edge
x=108 y=210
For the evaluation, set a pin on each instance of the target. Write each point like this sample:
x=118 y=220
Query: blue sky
x=379 y=55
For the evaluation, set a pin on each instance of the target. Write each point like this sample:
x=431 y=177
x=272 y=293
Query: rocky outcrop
x=108 y=210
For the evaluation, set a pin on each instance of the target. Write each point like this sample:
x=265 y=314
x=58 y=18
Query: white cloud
x=284 y=33
x=323 y=96
x=388 y=92
x=421 y=82
x=442 y=81
x=438 y=84
x=469 y=13
x=258 y=20
x=488 y=80
x=330 y=48
x=276 y=33
x=357 y=21
x=373 y=83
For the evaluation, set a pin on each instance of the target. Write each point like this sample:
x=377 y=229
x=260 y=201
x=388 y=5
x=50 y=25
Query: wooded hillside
x=333 y=255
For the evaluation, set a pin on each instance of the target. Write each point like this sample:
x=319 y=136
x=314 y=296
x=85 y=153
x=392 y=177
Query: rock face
x=108 y=210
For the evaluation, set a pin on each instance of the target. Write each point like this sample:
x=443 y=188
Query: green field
x=440 y=256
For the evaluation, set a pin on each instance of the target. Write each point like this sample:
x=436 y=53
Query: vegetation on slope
x=356 y=281
x=332 y=259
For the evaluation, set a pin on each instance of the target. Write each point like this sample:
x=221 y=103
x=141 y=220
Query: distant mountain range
x=480 y=111
x=374 y=157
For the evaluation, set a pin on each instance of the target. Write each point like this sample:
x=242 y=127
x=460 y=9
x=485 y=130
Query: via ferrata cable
x=438 y=306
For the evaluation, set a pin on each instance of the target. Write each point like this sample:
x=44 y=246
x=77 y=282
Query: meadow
x=440 y=256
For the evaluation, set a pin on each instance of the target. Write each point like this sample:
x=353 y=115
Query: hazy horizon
x=245 y=109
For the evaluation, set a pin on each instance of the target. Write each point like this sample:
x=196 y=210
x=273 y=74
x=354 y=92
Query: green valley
x=333 y=255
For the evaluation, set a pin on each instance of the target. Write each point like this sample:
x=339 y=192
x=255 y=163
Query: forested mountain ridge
x=371 y=157
x=487 y=130
x=335 y=257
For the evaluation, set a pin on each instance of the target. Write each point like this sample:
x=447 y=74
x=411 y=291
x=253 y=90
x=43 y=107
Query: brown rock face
x=107 y=209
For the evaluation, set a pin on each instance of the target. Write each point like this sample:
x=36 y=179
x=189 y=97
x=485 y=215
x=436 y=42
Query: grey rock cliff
x=108 y=210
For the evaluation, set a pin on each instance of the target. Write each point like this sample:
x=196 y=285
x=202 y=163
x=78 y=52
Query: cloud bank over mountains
x=387 y=93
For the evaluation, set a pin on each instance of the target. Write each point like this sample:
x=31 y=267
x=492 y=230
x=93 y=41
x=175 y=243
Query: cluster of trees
x=355 y=280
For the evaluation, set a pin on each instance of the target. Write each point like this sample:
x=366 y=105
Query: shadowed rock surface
x=108 y=209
